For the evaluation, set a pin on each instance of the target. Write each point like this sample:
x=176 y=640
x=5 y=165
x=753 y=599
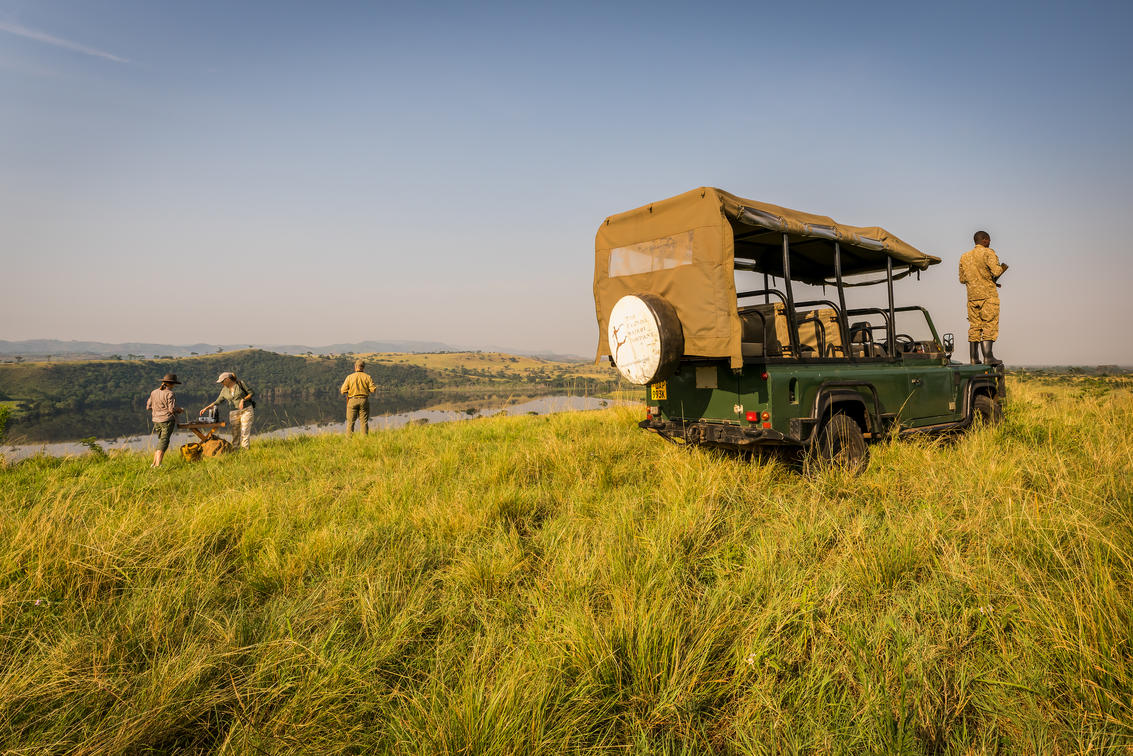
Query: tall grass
x=569 y=584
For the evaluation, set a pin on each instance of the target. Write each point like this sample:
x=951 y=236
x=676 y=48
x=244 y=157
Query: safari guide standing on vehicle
x=979 y=270
x=239 y=397
x=357 y=388
x=163 y=408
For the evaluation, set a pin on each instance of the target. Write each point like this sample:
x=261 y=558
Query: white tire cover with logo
x=645 y=336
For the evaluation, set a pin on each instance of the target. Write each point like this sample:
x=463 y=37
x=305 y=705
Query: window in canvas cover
x=647 y=257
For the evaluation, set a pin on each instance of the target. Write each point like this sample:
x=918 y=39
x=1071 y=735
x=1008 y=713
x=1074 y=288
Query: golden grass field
x=571 y=584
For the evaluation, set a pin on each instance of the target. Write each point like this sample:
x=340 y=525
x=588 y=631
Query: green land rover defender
x=776 y=362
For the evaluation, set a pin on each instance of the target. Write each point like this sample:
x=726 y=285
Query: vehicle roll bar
x=842 y=323
x=892 y=317
x=792 y=323
x=842 y=316
x=765 y=292
x=787 y=297
x=928 y=320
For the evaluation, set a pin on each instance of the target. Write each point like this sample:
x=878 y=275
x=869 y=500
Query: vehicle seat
x=760 y=330
x=820 y=333
x=818 y=329
x=861 y=341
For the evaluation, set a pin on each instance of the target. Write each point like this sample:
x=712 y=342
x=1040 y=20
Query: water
x=275 y=426
x=121 y=419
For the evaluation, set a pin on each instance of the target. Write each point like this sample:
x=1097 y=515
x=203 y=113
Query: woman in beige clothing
x=239 y=396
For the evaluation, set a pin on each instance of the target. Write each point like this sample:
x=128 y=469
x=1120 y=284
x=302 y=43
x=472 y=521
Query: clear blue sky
x=326 y=172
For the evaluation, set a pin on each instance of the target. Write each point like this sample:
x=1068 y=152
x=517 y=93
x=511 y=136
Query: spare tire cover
x=646 y=340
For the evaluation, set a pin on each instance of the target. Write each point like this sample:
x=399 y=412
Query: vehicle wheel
x=841 y=443
x=986 y=411
x=646 y=338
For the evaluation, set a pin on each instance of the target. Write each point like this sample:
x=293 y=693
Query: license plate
x=659 y=391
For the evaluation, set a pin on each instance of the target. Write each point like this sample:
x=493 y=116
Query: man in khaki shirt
x=980 y=269
x=357 y=388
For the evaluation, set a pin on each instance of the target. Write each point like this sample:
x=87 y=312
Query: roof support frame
x=842 y=319
x=792 y=322
x=892 y=325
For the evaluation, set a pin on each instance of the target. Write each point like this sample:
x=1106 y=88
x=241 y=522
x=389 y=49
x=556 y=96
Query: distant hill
x=40 y=349
x=364 y=347
x=55 y=349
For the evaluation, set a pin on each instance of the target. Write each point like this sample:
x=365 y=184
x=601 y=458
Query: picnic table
x=198 y=427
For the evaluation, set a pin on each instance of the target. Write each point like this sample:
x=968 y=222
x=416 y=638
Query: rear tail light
x=766 y=415
x=763 y=375
x=752 y=417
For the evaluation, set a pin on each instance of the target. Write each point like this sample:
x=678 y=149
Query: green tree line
x=81 y=385
x=44 y=388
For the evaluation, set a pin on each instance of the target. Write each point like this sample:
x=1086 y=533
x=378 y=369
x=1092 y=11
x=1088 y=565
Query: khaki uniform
x=357 y=387
x=979 y=267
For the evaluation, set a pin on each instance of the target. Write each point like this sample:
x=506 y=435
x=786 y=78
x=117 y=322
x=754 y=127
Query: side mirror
x=949 y=343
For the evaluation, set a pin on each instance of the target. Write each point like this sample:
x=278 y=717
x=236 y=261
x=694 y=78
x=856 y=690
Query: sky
x=312 y=173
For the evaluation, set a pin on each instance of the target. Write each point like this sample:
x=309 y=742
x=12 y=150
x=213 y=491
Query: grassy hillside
x=569 y=584
x=496 y=364
x=43 y=387
x=71 y=385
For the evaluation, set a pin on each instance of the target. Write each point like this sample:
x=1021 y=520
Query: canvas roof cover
x=685 y=248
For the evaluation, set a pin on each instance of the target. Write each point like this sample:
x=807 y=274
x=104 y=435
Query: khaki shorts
x=164 y=431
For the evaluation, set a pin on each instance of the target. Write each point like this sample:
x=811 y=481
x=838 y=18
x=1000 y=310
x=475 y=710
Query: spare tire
x=645 y=336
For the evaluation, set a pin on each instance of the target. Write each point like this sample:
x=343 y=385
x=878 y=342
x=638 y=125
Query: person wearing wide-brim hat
x=239 y=397
x=163 y=408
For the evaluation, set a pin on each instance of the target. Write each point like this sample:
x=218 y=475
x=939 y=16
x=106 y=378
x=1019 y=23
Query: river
x=61 y=436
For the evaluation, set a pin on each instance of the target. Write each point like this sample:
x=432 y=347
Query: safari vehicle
x=754 y=366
